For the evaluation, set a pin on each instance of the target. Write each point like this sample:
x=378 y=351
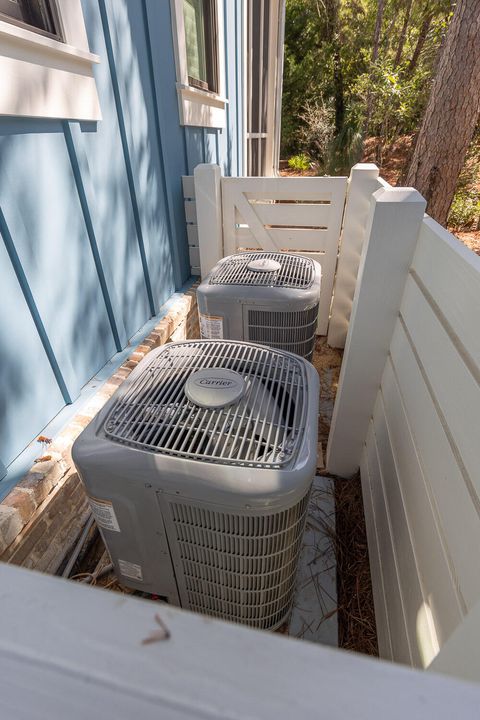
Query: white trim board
x=197 y=107
x=46 y=78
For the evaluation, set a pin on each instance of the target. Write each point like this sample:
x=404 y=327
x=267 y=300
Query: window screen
x=38 y=15
x=201 y=43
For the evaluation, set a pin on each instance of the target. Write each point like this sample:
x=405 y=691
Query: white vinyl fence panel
x=191 y=220
x=420 y=451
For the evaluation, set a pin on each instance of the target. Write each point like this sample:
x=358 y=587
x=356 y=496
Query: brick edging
x=33 y=492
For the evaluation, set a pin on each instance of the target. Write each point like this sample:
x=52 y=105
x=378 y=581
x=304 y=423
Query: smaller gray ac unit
x=271 y=298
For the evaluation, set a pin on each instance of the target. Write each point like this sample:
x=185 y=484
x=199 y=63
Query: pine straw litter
x=356 y=613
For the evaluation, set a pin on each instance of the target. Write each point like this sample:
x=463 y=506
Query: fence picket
x=395 y=218
x=363 y=182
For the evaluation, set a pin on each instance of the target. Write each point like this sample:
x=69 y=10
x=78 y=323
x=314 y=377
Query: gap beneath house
x=333 y=603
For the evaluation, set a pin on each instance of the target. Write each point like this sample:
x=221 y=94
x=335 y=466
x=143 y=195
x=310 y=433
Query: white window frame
x=269 y=127
x=45 y=78
x=197 y=107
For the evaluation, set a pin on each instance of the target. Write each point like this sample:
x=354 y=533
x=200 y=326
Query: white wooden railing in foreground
x=408 y=413
x=70 y=651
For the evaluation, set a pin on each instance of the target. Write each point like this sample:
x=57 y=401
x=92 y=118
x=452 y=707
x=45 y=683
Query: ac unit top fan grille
x=295 y=271
x=263 y=428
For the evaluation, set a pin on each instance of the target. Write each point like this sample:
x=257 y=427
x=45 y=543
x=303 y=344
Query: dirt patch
x=327 y=362
x=290 y=172
x=471 y=239
x=391 y=159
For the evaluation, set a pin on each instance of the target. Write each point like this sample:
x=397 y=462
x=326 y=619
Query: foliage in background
x=299 y=162
x=316 y=130
x=356 y=69
x=465 y=210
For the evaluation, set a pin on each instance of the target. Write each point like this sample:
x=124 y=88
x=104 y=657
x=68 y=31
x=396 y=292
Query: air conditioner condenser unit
x=199 y=471
x=267 y=297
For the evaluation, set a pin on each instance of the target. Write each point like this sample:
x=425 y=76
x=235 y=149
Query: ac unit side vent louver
x=294 y=271
x=263 y=429
x=292 y=331
x=240 y=568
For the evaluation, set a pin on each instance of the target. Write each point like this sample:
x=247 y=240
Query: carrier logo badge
x=216 y=382
x=215 y=387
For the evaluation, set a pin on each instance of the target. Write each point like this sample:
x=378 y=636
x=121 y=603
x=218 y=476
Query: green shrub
x=299 y=162
x=344 y=150
x=316 y=130
x=465 y=209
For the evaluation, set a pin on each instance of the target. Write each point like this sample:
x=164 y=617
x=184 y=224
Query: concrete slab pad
x=314 y=615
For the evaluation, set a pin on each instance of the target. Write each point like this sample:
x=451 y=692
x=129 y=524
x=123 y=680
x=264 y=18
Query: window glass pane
x=11 y=8
x=36 y=13
x=194 y=20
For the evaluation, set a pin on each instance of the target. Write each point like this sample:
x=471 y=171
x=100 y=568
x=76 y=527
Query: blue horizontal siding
x=92 y=224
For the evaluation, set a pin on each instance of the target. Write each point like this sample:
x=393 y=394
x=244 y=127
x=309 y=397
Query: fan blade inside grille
x=296 y=271
x=262 y=428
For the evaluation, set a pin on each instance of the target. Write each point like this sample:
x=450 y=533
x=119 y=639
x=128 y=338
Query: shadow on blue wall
x=91 y=216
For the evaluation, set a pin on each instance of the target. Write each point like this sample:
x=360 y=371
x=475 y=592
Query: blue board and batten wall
x=91 y=215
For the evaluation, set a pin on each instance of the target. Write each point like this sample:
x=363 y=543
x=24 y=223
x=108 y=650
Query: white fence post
x=394 y=222
x=363 y=182
x=208 y=197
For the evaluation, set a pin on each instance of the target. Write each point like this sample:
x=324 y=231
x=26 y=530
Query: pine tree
x=451 y=115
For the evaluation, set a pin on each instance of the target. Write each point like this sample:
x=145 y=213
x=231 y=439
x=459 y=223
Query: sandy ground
x=470 y=239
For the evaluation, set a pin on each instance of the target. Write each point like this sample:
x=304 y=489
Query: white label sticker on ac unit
x=104 y=514
x=130 y=570
x=211 y=327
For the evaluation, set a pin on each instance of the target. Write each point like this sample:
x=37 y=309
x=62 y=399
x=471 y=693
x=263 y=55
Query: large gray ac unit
x=264 y=297
x=198 y=472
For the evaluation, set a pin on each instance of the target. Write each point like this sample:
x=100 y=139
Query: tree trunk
x=403 y=34
x=422 y=36
x=385 y=43
x=378 y=29
x=451 y=114
x=338 y=89
x=376 y=43
x=332 y=11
